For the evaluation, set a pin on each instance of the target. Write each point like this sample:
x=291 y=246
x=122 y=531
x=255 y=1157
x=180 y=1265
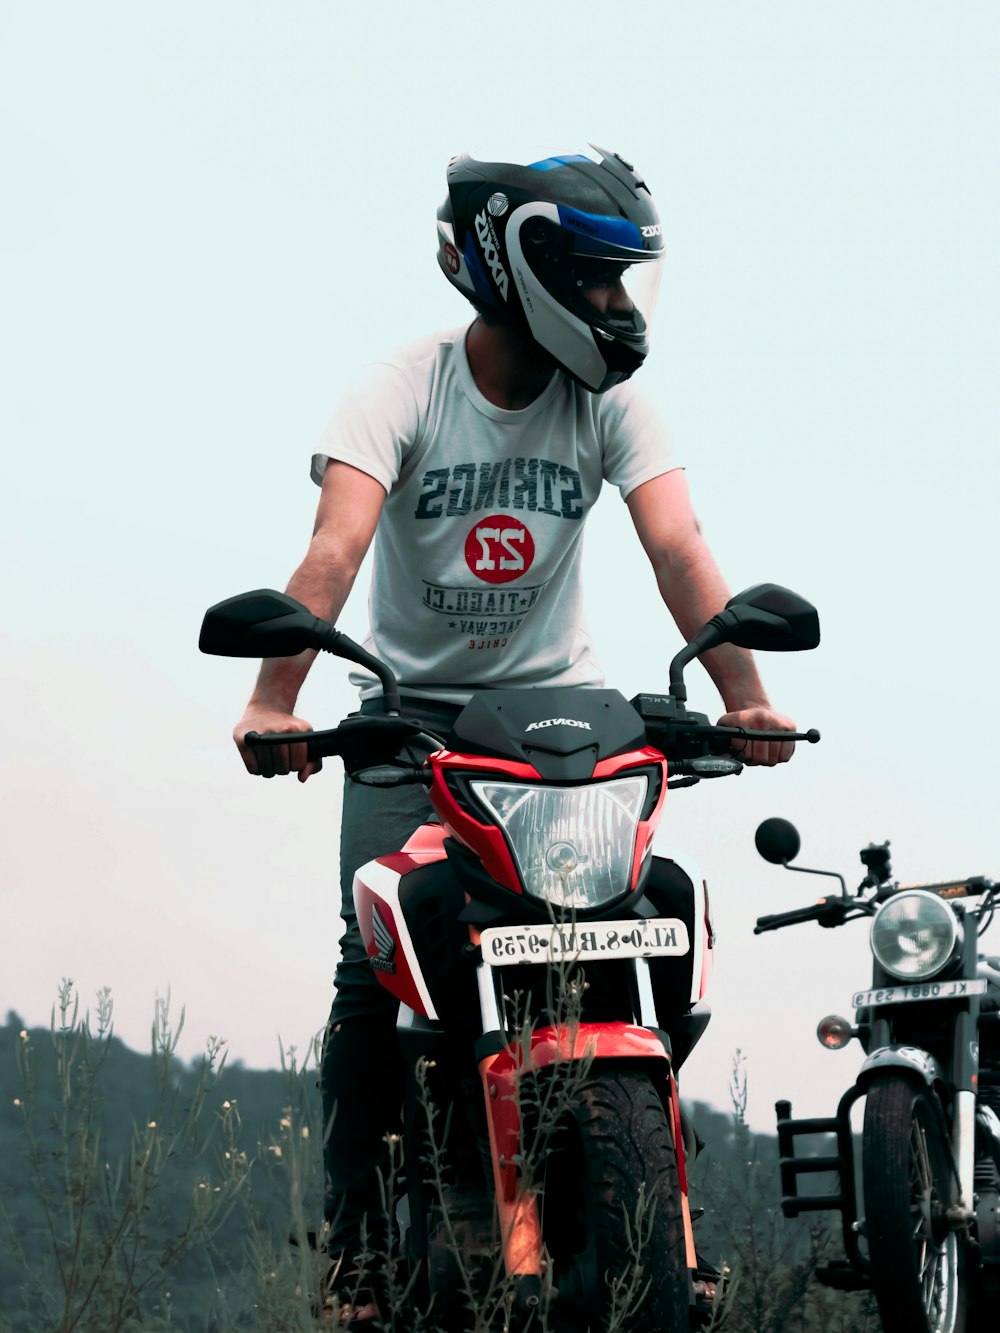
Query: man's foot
x=348 y=1302
x=360 y=1317
x=709 y=1289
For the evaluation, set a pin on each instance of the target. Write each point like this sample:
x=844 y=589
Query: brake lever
x=812 y=736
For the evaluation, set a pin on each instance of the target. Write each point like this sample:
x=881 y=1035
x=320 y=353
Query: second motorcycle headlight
x=573 y=845
x=914 y=935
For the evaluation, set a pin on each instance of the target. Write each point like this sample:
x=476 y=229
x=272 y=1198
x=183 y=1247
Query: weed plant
x=770 y=1263
x=153 y=1202
x=109 y=1220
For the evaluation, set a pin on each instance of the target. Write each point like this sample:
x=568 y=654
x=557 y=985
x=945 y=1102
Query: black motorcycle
x=925 y=1232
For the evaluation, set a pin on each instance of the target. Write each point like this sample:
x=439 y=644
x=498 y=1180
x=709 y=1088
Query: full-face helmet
x=527 y=244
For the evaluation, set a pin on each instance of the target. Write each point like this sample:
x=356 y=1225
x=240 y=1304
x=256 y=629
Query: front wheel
x=611 y=1209
x=918 y=1261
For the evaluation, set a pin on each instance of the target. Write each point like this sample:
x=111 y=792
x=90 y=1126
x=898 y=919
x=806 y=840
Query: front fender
x=503 y=1066
x=907 y=1059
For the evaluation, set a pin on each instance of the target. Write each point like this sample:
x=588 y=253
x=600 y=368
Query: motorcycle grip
x=317 y=743
x=766 y=923
x=793 y=918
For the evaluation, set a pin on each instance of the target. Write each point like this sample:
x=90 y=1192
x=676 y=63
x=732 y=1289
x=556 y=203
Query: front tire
x=611 y=1201
x=918 y=1260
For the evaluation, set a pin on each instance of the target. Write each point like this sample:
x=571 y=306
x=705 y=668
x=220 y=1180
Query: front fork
x=965 y=1079
x=501 y=1066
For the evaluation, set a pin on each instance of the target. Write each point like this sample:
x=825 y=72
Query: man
x=471 y=459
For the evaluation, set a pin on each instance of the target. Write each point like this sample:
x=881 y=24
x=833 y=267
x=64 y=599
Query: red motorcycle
x=551 y=971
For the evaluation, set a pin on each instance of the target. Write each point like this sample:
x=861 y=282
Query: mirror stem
x=336 y=642
x=709 y=636
x=804 y=870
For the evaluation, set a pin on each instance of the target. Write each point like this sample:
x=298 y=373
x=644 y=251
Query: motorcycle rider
x=471 y=459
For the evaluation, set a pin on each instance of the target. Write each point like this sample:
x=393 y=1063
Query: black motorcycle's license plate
x=661 y=937
x=923 y=990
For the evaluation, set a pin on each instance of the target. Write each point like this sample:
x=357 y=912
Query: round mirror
x=778 y=841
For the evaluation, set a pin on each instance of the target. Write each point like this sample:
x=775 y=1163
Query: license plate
x=661 y=937
x=924 y=990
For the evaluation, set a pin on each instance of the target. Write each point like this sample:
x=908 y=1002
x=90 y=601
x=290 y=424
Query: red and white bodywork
x=393 y=936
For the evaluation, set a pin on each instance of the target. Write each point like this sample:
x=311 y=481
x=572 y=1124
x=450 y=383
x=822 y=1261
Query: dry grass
x=193 y=1201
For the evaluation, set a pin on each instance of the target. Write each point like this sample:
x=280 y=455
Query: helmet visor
x=588 y=301
x=615 y=296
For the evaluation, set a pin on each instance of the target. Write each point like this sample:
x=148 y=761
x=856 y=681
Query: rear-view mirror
x=263 y=623
x=769 y=618
x=766 y=617
x=778 y=841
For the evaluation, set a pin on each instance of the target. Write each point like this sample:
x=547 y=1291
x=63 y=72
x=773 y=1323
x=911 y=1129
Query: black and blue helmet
x=523 y=242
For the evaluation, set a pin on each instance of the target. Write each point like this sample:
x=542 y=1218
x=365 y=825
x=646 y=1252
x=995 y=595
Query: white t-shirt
x=477 y=577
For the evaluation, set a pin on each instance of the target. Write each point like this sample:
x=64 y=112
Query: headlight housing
x=573 y=846
x=915 y=935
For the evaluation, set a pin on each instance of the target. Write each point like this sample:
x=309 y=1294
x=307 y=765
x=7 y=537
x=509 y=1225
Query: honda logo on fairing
x=385 y=943
x=558 y=722
x=488 y=240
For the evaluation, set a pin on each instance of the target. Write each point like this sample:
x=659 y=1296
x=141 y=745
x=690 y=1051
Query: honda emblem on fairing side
x=385 y=943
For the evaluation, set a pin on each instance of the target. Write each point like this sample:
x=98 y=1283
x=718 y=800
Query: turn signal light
x=834 y=1032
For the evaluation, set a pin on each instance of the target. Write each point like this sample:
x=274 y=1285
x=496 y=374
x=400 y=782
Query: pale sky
x=215 y=213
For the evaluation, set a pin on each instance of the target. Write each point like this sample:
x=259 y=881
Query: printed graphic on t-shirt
x=485 y=616
x=537 y=485
x=499 y=549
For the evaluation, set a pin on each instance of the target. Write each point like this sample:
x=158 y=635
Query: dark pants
x=362 y=1074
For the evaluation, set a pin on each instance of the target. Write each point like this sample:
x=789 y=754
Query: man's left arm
x=694 y=590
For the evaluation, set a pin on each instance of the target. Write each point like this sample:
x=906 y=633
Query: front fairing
x=576 y=754
x=419 y=924
x=467 y=819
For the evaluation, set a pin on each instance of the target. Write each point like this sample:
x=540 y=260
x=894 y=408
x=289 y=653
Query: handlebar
x=828 y=912
x=835 y=911
x=369 y=741
x=362 y=741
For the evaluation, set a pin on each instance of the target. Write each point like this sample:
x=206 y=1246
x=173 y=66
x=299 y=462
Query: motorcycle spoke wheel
x=611 y=1162
x=918 y=1261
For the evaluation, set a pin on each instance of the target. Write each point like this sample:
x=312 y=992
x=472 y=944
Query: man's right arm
x=349 y=508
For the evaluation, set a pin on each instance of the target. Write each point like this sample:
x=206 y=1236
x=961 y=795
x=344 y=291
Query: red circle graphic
x=451 y=258
x=499 y=549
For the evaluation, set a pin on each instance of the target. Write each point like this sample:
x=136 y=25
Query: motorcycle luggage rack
x=844 y=1198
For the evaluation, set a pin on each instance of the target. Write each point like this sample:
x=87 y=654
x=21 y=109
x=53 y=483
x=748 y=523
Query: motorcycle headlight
x=914 y=935
x=573 y=846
